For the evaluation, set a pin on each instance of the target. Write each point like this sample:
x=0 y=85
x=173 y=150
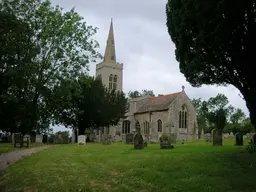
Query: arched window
x=126 y=127
x=146 y=128
x=183 y=117
x=137 y=127
x=110 y=82
x=115 y=82
x=159 y=125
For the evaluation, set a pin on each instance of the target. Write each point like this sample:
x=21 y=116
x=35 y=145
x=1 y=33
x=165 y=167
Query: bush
x=81 y=143
x=251 y=148
x=164 y=137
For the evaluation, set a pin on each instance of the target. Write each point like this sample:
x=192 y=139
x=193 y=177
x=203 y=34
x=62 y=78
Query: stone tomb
x=81 y=139
x=39 y=138
x=106 y=139
x=165 y=142
x=216 y=137
x=239 y=139
x=138 y=141
x=129 y=138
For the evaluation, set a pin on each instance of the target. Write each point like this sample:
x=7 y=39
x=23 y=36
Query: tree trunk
x=249 y=96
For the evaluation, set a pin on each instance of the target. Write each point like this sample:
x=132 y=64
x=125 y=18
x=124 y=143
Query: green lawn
x=194 y=166
x=7 y=147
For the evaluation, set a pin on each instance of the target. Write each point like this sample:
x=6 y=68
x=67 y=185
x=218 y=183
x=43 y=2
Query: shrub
x=251 y=148
x=81 y=143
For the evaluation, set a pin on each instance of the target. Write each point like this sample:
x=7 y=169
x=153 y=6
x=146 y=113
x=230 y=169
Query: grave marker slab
x=239 y=139
x=39 y=138
x=129 y=138
x=81 y=139
x=216 y=137
x=138 y=141
x=106 y=139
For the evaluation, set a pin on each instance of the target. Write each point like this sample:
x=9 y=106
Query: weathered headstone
x=129 y=138
x=81 y=140
x=18 y=139
x=13 y=137
x=165 y=143
x=45 y=138
x=138 y=141
x=26 y=138
x=253 y=139
x=145 y=143
x=182 y=141
x=106 y=139
x=239 y=139
x=39 y=138
x=207 y=137
x=73 y=140
x=216 y=137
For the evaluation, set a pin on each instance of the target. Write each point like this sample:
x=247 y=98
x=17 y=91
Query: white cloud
x=143 y=45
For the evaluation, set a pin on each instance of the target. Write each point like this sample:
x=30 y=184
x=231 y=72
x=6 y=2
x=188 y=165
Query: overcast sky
x=143 y=45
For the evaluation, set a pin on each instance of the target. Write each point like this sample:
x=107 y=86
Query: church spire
x=110 y=53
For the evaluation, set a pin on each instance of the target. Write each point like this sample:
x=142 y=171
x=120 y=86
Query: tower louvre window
x=115 y=82
x=111 y=82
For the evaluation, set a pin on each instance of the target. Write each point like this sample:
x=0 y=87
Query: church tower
x=110 y=71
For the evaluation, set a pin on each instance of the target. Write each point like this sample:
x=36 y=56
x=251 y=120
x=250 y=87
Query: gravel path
x=9 y=158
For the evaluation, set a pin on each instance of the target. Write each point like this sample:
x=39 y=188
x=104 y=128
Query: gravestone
x=239 y=139
x=145 y=143
x=106 y=139
x=173 y=138
x=73 y=140
x=81 y=139
x=13 y=137
x=26 y=138
x=138 y=141
x=39 y=138
x=45 y=138
x=216 y=137
x=182 y=141
x=253 y=139
x=165 y=143
x=207 y=137
x=129 y=138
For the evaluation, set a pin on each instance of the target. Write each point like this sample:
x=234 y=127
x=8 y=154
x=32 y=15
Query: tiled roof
x=159 y=103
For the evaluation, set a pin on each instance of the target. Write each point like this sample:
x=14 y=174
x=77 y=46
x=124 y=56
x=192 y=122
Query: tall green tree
x=17 y=52
x=214 y=43
x=87 y=103
x=144 y=92
x=65 y=48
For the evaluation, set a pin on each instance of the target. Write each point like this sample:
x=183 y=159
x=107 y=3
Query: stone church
x=152 y=116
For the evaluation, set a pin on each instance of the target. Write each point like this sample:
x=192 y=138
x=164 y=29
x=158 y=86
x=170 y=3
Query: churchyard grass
x=7 y=147
x=194 y=166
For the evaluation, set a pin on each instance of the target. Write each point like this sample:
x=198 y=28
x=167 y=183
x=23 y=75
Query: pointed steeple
x=110 y=53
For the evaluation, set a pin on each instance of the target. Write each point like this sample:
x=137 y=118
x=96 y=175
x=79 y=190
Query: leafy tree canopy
x=87 y=103
x=214 y=43
x=46 y=46
x=144 y=92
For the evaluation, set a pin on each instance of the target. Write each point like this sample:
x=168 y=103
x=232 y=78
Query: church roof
x=159 y=103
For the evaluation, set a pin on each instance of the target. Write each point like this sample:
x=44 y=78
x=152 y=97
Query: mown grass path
x=194 y=166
